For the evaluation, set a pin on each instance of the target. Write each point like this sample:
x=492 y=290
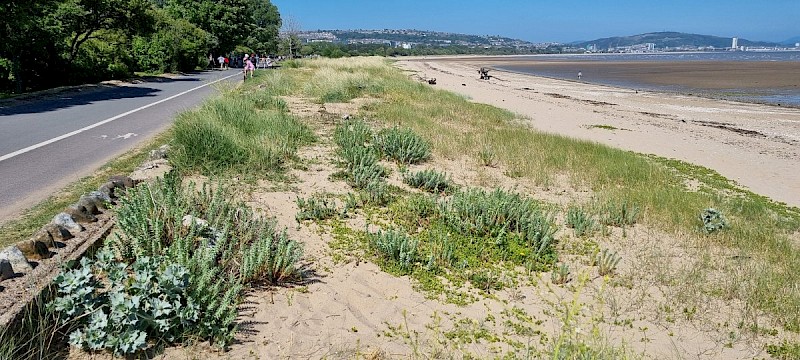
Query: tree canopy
x=49 y=43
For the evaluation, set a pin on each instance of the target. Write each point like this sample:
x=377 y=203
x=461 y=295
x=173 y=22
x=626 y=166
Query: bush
x=429 y=180
x=579 y=221
x=395 y=247
x=314 y=209
x=403 y=145
x=221 y=243
x=124 y=309
x=712 y=220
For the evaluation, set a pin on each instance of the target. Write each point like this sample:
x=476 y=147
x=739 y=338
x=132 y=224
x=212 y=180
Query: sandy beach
x=758 y=146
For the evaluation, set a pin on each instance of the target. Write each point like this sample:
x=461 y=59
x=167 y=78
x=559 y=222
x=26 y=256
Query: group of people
x=247 y=61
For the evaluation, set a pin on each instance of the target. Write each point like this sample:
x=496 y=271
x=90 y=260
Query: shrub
x=560 y=275
x=620 y=215
x=429 y=180
x=395 y=247
x=403 y=146
x=606 y=262
x=579 y=221
x=220 y=242
x=353 y=133
x=120 y=308
x=314 y=209
x=501 y=215
x=376 y=193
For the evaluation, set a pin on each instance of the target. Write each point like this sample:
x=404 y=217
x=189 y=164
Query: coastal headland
x=756 y=145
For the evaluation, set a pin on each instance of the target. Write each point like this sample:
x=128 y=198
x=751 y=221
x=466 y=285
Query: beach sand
x=758 y=146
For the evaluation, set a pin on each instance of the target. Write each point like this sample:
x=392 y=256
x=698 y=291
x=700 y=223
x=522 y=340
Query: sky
x=554 y=20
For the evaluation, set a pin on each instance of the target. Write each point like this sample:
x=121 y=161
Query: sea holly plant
x=712 y=220
x=110 y=305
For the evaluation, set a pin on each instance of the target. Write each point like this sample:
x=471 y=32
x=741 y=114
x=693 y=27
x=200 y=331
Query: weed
x=560 y=274
x=606 y=262
x=397 y=248
x=619 y=215
x=579 y=221
x=403 y=145
x=315 y=208
x=487 y=157
x=784 y=350
x=429 y=180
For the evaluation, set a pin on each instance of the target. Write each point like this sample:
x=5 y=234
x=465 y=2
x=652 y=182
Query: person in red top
x=227 y=61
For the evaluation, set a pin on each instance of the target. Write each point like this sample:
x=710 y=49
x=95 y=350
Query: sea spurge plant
x=429 y=180
x=403 y=146
x=579 y=221
x=124 y=309
x=396 y=247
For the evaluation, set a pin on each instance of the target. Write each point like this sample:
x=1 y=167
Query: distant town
x=643 y=43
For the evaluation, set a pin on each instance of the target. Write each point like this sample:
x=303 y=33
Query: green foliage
x=229 y=134
x=560 y=274
x=784 y=351
x=505 y=216
x=403 y=145
x=619 y=215
x=712 y=220
x=429 y=180
x=579 y=221
x=176 y=45
x=220 y=242
x=396 y=248
x=487 y=157
x=606 y=262
x=314 y=209
x=114 y=307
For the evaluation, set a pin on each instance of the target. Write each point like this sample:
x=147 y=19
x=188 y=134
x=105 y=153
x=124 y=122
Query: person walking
x=248 y=66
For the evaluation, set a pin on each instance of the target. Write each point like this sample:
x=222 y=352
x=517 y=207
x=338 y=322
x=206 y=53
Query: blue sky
x=555 y=20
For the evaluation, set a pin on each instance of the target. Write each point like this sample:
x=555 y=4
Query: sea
x=784 y=96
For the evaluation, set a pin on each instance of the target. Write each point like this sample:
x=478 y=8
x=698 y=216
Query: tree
x=82 y=20
x=289 y=31
x=267 y=22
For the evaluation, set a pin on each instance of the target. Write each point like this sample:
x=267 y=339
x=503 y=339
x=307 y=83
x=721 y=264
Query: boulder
x=33 y=249
x=104 y=199
x=80 y=214
x=92 y=203
x=160 y=153
x=59 y=233
x=17 y=260
x=108 y=190
x=65 y=221
x=6 y=271
x=43 y=236
x=122 y=181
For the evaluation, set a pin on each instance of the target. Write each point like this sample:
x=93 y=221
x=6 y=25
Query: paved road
x=48 y=143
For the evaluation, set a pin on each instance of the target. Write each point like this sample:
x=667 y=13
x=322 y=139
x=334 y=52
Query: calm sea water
x=764 y=95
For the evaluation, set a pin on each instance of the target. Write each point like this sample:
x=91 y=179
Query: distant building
x=735 y=43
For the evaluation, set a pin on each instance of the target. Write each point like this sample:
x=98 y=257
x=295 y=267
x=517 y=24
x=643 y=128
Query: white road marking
x=126 y=136
x=106 y=121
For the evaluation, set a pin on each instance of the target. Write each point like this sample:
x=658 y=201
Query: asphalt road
x=49 y=142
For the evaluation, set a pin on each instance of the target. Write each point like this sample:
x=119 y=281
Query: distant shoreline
x=761 y=82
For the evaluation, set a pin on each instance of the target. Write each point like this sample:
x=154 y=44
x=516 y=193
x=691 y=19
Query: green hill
x=669 y=39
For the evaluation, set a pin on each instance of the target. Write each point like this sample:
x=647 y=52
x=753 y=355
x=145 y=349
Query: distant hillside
x=669 y=39
x=792 y=41
x=413 y=37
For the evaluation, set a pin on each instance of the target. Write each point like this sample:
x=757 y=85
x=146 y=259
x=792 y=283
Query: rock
x=65 y=221
x=94 y=201
x=346 y=117
x=17 y=260
x=188 y=220
x=59 y=233
x=108 y=190
x=105 y=199
x=80 y=214
x=43 y=236
x=6 y=271
x=160 y=153
x=33 y=249
x=122 y=181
